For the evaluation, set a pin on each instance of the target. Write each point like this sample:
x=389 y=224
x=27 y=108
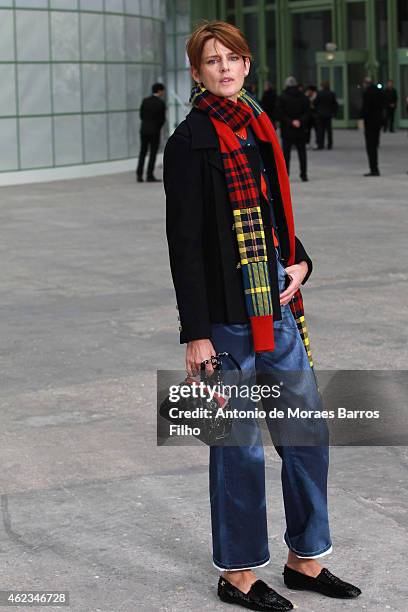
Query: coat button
x=238 y=265
x=180 y=328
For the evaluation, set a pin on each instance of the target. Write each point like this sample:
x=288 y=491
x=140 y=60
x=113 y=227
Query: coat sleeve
x=163 y=115
x=364 y=107
x=301 y=255
x=304 y=118
x=184 y=230
x=281 y=113
x=141 y=110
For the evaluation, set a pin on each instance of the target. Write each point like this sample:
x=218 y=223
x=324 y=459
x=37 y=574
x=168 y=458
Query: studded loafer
x=325 y=583
x=259 y=597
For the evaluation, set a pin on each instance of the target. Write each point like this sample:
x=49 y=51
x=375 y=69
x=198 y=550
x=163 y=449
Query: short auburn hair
x=229 y=35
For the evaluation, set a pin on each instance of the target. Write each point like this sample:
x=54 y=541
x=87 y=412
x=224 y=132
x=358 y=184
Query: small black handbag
x=212 y=429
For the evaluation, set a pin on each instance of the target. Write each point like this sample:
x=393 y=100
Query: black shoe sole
x=297 y=588
x=248 y=605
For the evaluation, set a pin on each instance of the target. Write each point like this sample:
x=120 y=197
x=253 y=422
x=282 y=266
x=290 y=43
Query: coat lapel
x=204 y=136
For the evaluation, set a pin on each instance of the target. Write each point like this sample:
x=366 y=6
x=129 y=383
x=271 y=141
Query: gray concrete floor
x=89 y=503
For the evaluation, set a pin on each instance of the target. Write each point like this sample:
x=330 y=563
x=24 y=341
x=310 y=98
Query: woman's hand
x=198 y=351
x=297 y=272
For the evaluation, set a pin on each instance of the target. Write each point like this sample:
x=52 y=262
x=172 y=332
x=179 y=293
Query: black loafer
x=259 y=597
x=325 y=583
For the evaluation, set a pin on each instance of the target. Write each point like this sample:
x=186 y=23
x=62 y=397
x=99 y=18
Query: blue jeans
x=237 y=473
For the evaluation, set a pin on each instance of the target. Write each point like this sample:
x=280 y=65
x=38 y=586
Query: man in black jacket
x=391 y=99
x=326 y=107
x=372 y=114
x=293 y=110
x=153 y=116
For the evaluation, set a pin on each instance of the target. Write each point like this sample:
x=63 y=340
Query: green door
x=402 y=87
x=345 y=71
x=335 y=75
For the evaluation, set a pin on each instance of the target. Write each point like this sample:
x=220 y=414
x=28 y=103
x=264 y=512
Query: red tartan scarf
x=228 y=117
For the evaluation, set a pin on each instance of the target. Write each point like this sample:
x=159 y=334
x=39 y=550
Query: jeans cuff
x=300 y=555
x=239 y=569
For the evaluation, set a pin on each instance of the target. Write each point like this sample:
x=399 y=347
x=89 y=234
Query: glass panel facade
x=32 y=3
x=356 y=25
x=8 y=144
x=73 y=74
x=115 y=38
x=252 y=34
x=6 y=36
x=117 y=136
x=116 y=82
x=65 y=36
x=7 y=90
x=94 y=87
x=66 y=88
x=179 y=81
x=133 y=39
x=36 y=142
x=115 y=6
x=325 y=73
x=64 y=4
x=32 y=36
x=34 y=89
x=91 y=5
x=356 y=73
x=382 y=39
x=68 y=140
x=402 y=23
x=95 y=137
x=271 y=46
x=311 y=32
x=92 y=41
x=404 y=90
x=231 y=18
x=339 y=89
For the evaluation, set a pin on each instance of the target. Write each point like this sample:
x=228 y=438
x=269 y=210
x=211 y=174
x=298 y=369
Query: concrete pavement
x=89 y=503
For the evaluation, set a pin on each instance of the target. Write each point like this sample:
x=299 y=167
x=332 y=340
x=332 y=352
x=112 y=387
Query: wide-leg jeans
x=237 y=472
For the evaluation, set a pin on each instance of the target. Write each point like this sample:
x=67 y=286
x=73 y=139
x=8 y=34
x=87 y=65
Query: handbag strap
x=216 y=363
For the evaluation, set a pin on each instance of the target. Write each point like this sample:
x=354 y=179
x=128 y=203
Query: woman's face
x=222 y=71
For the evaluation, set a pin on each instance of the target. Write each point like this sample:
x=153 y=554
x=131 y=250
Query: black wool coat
x=293 y=104
x=152 y=115
x=326 y=104
x=372 y=110
x=204 y=257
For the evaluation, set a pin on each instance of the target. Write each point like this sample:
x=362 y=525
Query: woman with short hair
x=237 y=267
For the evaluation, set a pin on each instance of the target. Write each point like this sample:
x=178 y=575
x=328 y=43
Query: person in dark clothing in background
x=153 y=116
x=268 y=102
x=372 y=113
x=253 y=90
x=293 y=111
x=311 y=93
x=326 y=107
x=390 y=100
